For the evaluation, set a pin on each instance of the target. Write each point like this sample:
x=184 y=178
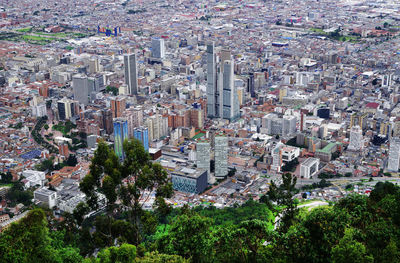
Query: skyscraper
x=142 y=134
x=212 y=92
x=356 y=139
x=221 y=155
x=81 y=88
x=231 y=109
x=394 y=155
x=120 y=134
x=131 y=73
x=157 y=48
x=203 y=156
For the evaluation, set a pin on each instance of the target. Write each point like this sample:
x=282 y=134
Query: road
x=309 y=205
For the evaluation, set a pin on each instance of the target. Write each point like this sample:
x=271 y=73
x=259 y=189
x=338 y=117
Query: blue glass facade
x=142 y=134
x=120 y=134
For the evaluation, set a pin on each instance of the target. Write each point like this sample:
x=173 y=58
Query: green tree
x=242 y=243
x=283 y=195
x=6 y=178
x=383 y=189
x=391 y=253
x=350 y=250
x=144 y=179
x=28 y=241
x=17 y=194
x=126 y=253
x=71 y=161
x=155 y=257
x=190 y=237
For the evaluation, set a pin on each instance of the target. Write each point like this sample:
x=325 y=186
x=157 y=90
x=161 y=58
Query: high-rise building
x=135 y=118
x=231 y=110
x=158 y=126
x=157 y=48
x=196 y=118
x=67 y=108
x=221 y=155
x=118 y=106
x=213 y=98
x=394 y=155
x=203 y=156
x=142 y=134
x=81 y=88
x=356 y=139
x=359 y=119
x=120 y=134
x=277 y=158
x=39 y=110
x=285 y=125
x=63 y=149
x=94 y=65
x=107 y=120
x=131 y=73
x=225 y=55
x=240 y=92
x=96 y=83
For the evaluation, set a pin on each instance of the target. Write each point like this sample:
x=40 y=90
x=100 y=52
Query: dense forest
x=355 y=229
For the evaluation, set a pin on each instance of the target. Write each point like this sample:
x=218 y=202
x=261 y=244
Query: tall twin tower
x=131 y=73
x=222 y=95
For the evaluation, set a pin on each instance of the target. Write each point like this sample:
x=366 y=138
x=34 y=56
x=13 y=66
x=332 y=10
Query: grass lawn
x=65 y=128
x=318 y=30
x=36 y=38
x=27 y=29
x=50 y=34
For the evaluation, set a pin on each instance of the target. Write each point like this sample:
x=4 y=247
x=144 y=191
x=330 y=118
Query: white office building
x=46 y=197
x=221 y=155
x=157 y=48
x=309 y=168
x=81 y=88
x=394 y=155
x=203 y=156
